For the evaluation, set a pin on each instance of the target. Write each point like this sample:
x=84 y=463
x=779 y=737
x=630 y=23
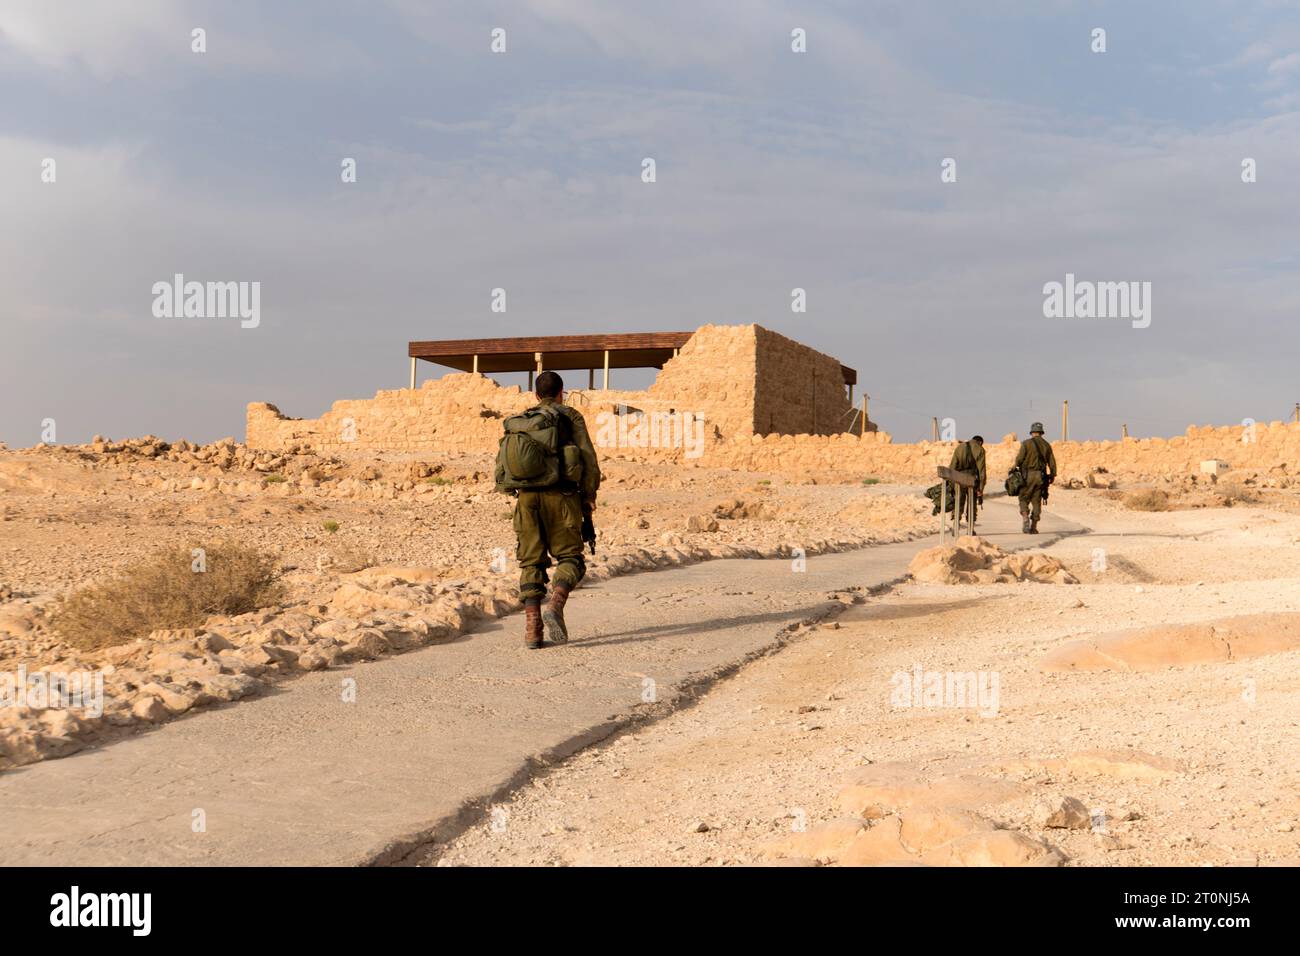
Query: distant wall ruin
x=741 y=380
x=769 y=404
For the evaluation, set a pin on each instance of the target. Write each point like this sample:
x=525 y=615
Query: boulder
x=1068 y=813
x=822 y=843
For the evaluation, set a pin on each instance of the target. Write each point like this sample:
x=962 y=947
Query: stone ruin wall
x=715 y=375
x=802 y=390
x=1275 y=450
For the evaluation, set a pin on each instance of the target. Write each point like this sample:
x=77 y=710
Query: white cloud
x=106 y=38
x=1285 y=65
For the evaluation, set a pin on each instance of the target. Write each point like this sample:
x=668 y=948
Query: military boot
x=1025 y=524
x=533 y=623
x=1033 y=526
x=553 y=615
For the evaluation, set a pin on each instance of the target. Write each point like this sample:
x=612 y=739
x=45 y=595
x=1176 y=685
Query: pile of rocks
x=973 y=560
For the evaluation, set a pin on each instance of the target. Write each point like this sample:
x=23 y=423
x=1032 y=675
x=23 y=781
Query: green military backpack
x=529 y=453
x=1015 y=483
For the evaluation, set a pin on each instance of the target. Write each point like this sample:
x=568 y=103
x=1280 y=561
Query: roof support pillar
x=413 y=361
x=606 y=385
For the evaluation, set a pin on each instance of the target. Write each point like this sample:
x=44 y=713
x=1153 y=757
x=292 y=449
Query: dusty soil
x=1185 y=764
x=379 y=553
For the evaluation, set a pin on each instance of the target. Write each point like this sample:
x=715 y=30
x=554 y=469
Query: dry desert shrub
x=347 y=558
x=1153 y=499
x=166 y=591
x=1239 y=492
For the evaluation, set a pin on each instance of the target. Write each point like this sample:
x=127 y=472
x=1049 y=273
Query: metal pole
x=1065 y=421
x=413 y=361
x=943 y=508
x=606 y=385
x=476 y=364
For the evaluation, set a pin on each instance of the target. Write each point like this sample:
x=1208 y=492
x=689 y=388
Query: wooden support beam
x=475 y=363
x=606 y=385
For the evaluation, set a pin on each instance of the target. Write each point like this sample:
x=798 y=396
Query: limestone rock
x=231 y=686
x=1067 y=813
x=823 y=842
x=702 y=522
x=150 y=709
x=995 y=848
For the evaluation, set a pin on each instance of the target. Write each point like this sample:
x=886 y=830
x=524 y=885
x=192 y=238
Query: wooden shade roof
x=626 y=350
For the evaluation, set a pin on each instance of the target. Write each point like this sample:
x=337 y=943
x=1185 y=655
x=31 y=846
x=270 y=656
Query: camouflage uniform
x=548 y=522
x=969 y=457
x=1037 y=463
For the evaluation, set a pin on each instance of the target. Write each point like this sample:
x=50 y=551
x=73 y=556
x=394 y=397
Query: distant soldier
x=969 y=457
x=1037 y=465
x=548 y=462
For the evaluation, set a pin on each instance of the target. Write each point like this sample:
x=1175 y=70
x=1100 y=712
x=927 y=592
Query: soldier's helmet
x=1036 y=428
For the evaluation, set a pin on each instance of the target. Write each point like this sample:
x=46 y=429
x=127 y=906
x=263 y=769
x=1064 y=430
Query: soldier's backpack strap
x=1043 y=450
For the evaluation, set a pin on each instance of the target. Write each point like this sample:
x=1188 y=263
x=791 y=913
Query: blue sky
x=775 y=170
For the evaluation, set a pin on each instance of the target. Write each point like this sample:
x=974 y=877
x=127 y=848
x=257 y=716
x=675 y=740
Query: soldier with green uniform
x=1036 y=463
x=548 y=462
x=969 y=457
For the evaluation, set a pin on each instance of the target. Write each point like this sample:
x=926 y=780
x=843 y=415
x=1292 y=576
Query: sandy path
x=763 y=754
x=306 y=778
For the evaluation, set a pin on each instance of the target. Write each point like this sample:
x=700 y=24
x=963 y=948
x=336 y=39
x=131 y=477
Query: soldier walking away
x=1037 y=465
x=969 y=457
x=547 y=461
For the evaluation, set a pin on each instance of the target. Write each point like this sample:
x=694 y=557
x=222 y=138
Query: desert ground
x=1175 y=757
x=1147 y=665
x=377 y=554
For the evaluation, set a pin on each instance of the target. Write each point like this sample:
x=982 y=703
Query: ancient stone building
x=740 y=381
